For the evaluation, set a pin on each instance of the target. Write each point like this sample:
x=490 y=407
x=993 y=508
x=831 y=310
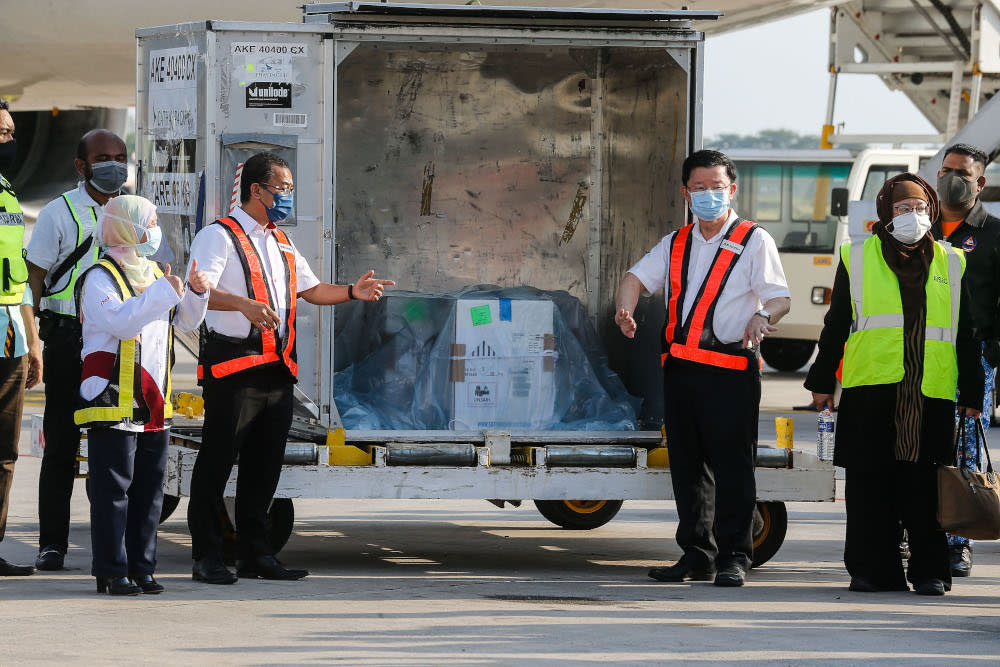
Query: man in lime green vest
x=20 y=351
x=62 y=247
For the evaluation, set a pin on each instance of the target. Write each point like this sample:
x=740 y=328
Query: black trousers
x=877 y=501
x=711 y=422
x=62 y=368
x=246 y=417
x=12 y=375
x=126 y=497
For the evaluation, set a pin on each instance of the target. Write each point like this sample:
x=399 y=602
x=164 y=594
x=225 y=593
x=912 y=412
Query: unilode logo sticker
x=969 y=244
x=269 y=95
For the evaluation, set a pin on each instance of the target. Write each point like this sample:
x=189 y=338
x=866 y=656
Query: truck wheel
x=579 y=514
x=786 y=354
x=280 y=518
x=169 y=505
x=770 y=521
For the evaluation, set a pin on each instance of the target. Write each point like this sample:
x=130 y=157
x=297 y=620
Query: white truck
x=448 y=146
x=801 y=197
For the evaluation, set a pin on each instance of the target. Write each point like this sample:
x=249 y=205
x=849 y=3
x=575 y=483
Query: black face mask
x=8 y=152
x=954 y=190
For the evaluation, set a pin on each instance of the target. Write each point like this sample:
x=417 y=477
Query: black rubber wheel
x=770 y=521
x=280 y=519
x=786 y=354
x=169 y=505
x=579 y=514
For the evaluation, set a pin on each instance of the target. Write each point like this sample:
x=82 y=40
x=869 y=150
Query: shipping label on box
x=503 y=363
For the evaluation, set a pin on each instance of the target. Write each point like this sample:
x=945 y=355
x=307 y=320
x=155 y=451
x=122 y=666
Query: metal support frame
x=596 y=195
x=810 y=480
x=975 y=94
x=940 y=31
x=955 y=98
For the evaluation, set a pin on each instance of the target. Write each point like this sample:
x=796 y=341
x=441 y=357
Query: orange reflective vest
x=222 y=356
x=694 y=340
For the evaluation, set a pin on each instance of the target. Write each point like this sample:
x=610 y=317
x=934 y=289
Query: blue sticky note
x=505 y=310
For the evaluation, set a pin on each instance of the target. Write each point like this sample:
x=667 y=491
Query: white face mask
x=910 y=227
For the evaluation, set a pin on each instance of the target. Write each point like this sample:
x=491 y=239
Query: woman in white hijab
x=127 y=307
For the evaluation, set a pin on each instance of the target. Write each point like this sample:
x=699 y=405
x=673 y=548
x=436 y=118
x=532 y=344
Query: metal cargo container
x=447 y=146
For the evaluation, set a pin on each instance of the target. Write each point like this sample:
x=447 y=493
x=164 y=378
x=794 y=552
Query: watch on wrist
x=763 y=313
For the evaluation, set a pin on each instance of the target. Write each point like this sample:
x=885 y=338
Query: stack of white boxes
x=503 y=364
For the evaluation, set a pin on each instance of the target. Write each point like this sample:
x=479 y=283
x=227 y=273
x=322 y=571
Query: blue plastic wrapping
x=397 y=361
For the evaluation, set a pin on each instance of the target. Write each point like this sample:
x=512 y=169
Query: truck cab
x=800 y=197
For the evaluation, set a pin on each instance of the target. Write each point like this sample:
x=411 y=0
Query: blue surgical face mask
x=108 y=177
x=152 y=243
x=710 y=204
x=282 y=206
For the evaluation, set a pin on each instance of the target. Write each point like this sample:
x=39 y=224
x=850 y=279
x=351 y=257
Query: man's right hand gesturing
x=625 y=322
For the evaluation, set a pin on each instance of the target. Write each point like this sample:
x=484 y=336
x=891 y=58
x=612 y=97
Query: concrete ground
x=429 y=582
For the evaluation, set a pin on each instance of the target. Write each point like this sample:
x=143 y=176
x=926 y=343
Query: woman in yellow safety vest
x=127 y=307
x=899 y=319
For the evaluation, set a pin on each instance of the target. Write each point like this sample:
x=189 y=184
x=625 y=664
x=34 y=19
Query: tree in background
x=769 y=139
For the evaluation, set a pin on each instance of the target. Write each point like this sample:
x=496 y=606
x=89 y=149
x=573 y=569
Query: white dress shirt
x=216 y=255
x=107 y=320
x=54 y=238
x=756 y=278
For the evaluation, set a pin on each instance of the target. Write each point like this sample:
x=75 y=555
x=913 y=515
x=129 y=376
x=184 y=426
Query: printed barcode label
x=290 y=119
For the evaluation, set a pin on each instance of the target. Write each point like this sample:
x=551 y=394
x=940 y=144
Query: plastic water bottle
x=824 y=435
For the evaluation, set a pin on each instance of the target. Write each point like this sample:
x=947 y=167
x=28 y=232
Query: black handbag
x=969 y=500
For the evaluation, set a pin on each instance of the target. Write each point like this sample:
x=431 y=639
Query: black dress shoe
x=682 y=571
x=267 y=567
x=50 y=558
x=731 y=575
x=961 y=560
x=117 y=586
x=930 y=587
x=212 y=571
x=148 y=585
x=11 y=570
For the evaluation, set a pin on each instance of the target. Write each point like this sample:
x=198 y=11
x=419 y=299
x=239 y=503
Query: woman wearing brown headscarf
x=900 y=372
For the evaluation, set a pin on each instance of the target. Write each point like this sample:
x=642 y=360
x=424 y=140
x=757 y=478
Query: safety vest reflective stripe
x=127 y=367
x=293 y=290
x=689 y=349
x=676 y=269
x=258 y=285
x=956 y=266
x=126 y=384
x=710 y=357
x=13 y=270
x=874 y=351
x=67 y=291
x=890 y=320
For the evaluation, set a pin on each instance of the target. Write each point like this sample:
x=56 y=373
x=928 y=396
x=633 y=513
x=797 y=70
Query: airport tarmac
x=431 y=582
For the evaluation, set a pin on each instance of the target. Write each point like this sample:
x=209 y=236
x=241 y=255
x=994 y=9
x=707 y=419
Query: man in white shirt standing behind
x=247 y=366
x=62 y=247
x=716 y=274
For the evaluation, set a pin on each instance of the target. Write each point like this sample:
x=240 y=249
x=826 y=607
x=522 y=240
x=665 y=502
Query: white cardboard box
x=503 y=364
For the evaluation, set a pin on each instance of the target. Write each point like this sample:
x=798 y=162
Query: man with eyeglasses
x=966 y=225
x=716 y=274
x=247 y=366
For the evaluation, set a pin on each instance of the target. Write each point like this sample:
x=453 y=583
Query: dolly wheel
x=579 y=514
x=770 y=521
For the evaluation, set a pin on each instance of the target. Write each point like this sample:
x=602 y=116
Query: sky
x=774 y=76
